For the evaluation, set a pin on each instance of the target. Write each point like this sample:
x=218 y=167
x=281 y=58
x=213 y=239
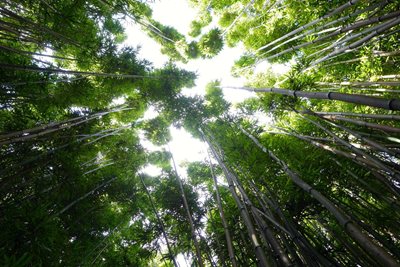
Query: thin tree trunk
x=30 y=24
x=51 y=127
x=386 y=54
x=98 y=168
x=269 y=237
x=307 y=253
x=378 y=253
x=385 y=128
x=388 y=171
x=339 y=43
x=363 y=115
x=389 y=76
x=332 y=13
x=97 y=74
x=359 y=135
x=373 y=144
x=219 y=248
x=391 y=104
x=244 y=214
x=375 y=31
x=237 y=18
x=22 y=52
x=374 y=191
x=358 y=254
x=321 y=139
x=354 y=157
x=208 y=249
x=374 y=83
x=272 y=241
x=73 y=203
x=270 y=217
x=160 y=222
x=313 y=31
x=351 y=27
x=68 y=80
x=376 y=53
x=222 y=215
x=189 y=215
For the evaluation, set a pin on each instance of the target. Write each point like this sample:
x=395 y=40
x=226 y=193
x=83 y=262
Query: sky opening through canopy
x=178 y=14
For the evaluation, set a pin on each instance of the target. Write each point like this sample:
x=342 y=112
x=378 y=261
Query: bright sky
x=184 y=147
x=178 y=14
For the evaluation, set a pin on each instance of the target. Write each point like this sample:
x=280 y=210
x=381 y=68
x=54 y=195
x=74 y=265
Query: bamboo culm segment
x=390 y=104
x=351 y=227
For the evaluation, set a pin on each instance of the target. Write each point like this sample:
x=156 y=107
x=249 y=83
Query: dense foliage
x=316 y=184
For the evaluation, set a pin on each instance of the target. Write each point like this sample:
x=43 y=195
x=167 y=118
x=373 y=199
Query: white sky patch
x=263 y=119
x=48 y=52
x=182 y=261
x=236 y=95
x=150 y=113
x=118 y=101
x=146 y=143
x=175 y=13
x=178 y=14
x=217 y=68
x=149 y=50
x=185 y=148
x=276 y=68
x=151 y=170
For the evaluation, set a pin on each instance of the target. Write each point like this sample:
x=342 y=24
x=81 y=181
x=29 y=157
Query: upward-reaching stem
x=222 y=215
x=243 y=212
x=391 y=104
x=351 y=228
x=160 y=222
x=189 y=215
x=299 y=29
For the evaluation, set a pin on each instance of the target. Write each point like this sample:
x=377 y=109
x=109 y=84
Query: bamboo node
x=310 y=189
x=346 y=223
x=390 y=103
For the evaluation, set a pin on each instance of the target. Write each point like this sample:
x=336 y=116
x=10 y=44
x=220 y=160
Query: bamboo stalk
x=73 y=203
x=244 y=214
x=332 y=13
x=368 y=83
x=391 y=104
x=351 y=27
x=237 y=18
x=375 y=31
x=392 y=175
x=33 y=53
x=385 y=128
x=373 y=144
x=99 y=74
x=378 y=253
x=351 y=114
x=222 y=215
x=307 y=33
x=188 y=213
x=160 y=222
x=267 y=233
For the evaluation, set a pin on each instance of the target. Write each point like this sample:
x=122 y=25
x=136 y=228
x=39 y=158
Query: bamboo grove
x=306 y=173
